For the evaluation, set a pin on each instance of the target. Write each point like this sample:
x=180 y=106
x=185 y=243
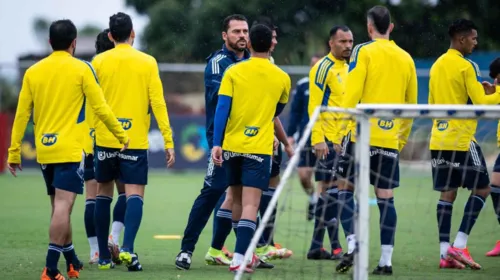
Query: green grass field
x=25 y=215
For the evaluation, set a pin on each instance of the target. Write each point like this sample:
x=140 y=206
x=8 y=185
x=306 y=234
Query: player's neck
x=239 y=54
x=377 y=35
x=260 y=54
x=454 y=47
x=337 y=57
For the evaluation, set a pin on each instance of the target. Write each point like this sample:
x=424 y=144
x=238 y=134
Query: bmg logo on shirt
x=49 y=139
x=126 y=123
x=386 y=124
x=251 y=131
x=442 y=125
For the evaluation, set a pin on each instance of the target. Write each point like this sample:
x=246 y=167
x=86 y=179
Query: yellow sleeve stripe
x=322 y=72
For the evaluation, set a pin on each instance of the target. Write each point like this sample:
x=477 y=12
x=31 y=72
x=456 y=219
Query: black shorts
x=64 y=176
x=129 y=166
x=384 y=165
x=307 y=157
x=88 y=173
x=454 y=169
x=327 y=168
x=276 y=164
x=249 y=170
x=496 y=167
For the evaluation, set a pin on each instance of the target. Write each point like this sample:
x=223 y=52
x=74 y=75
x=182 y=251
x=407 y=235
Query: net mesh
x=417 y=246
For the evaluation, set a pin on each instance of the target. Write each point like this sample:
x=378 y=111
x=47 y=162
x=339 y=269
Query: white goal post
x=362 y=114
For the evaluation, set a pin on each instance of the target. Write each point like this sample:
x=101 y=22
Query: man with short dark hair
x=456 y=157
x=131 y=83
x=235 y=36
x=379 y=72
x=252 y=93
x=56 y=89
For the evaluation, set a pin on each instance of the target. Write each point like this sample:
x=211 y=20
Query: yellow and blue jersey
x=131 y=84
x=456 y=80
x=326 y=88
x=380 y=72
x=58 y=89
x=252 y=93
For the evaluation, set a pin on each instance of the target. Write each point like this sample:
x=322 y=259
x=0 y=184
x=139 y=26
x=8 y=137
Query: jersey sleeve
x=159 y=106
x=296 y=111
x=95 y=97
x=226 y=85
x=23 y=113
x=410 y=98
x=475 y=89
x=318 y=77
x=213 y=78
x=285 y=95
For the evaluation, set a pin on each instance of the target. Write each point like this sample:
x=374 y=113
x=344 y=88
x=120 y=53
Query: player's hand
x=125 y=146
x=291 y=141
x=276 y=143
x=170 y=154
x=13 y=167
x=217 y=155
x=289 y=150
x=321 y=150
x=489 y=88
x=337 y=148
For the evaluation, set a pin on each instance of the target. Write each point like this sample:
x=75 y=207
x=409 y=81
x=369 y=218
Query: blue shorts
x=216 y=176
x=326 y=168
x=88 y=173
x=249 y=170
x=496 y=167
x=129 y=166
x=63 y=176
x=454 y=169
x=307 y=157
x=277 y=159
x=384 y=165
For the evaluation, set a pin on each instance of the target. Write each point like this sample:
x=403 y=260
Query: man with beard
x=235 y=36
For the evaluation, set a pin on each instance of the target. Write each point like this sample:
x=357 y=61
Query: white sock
x=237 y=259
x=94 y=247
x=386 y=256
x=313 y=198
x=116 y=230
x=351 y=243
x=460 y=240
x=443 y=249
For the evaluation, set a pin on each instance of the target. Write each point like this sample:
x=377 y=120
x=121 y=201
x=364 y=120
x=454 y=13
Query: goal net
x=417 y=238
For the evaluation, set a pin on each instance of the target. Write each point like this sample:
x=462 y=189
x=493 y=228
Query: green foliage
x=187 y=31
x=8 y=96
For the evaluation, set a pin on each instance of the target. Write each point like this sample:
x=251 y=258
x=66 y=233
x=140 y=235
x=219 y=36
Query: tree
x=41 y=29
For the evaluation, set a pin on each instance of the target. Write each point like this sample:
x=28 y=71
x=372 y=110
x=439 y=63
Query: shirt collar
x=60 y=53
x=335 y=60
x=453 y=51
x=246 y=54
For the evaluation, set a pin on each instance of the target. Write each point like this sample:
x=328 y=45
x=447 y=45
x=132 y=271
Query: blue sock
x=319 y=228
x=102 y=219
x=495 y=198
x=235 y=227
x=246 y=229
x=444 y=211
x=216 y=210
x=267 y=235
x=69 y=254
x=133 y=217
x=346 y=211
x=388 y=220
x=331 y=221
x=53 y=254
x=88 y=218
x=223 y=226
x=120 y=207
x=472 y=209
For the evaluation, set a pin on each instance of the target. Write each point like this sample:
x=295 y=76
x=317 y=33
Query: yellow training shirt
x=256 y=86
x=89 y=136
x=326 y=88
x=380 y=72
x=456 y=80
x=57 y=89
x=131 y=83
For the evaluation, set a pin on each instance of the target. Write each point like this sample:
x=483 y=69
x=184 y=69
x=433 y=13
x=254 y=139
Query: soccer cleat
x=311 y=209
x=463 y=256
x=94 y=259
x=265 y=265
x=183 y=260
x=105 y=264
x=319 y=254
x=51 y=275
x=249 y=268
x=346 y=263
x=269 y=252
x=74 y=270
x=216 y=257
x=114 y=249
x=131 y=260
x=277 y=246
x=382 y=270
x=227 y=252
x=337 y=254
x=495 y=251
x=450 y=263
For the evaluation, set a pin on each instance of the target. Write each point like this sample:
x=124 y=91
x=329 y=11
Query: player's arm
x=410 y=98
x=94 y=95
x=221 y=115
x=475 y=89
x=23 y=113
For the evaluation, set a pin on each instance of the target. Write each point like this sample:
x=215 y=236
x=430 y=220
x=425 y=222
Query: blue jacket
x=217 y=63
x=299 y=116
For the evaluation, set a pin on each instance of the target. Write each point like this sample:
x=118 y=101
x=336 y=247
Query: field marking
x=167 y=237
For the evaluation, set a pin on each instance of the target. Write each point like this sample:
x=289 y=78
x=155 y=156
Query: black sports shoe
x=134 y=265
x=265 y=265
x=319 y=254
x=346 y=263
x=183 y=260
x=382 y=270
